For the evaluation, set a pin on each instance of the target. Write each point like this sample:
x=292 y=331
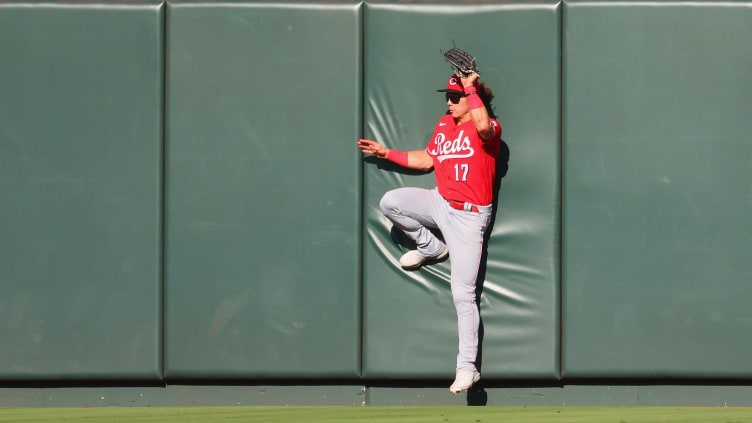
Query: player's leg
x=412 y=210
x=465 y=240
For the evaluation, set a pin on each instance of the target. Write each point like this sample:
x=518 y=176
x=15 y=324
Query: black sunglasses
x=453 y=97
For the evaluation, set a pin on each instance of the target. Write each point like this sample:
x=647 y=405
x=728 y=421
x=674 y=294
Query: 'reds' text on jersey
x=465 y=165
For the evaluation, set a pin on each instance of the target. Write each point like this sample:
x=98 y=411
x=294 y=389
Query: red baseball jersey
x=465 y=166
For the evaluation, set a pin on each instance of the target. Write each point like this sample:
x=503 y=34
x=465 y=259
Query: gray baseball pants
x=414 y=210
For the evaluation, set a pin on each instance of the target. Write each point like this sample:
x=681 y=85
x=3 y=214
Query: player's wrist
x=396 y=156
x=474 y=101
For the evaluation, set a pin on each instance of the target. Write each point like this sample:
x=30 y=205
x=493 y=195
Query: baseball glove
x=462 y=62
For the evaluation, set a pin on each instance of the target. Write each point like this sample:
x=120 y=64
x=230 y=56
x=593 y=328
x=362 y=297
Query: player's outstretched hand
x=373 y=148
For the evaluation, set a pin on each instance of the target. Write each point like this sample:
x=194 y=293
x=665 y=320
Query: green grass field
x=383 y=414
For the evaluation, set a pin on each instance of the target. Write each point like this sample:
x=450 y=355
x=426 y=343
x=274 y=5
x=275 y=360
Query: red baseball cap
x=455 y=85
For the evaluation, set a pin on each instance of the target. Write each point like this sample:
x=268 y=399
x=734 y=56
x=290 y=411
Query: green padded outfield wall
x=252 y=110
x=263 y=203
x=409 y=318
x=657 y=207
x=80 y=187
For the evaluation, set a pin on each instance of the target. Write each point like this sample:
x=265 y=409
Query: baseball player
x=462 y=153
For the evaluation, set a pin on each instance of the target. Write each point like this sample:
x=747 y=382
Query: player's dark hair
x=486 y=95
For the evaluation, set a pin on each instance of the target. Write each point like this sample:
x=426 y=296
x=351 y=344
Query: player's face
x=457 y=104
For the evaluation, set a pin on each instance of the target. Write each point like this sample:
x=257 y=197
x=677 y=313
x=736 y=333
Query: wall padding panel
x=80 y=188
x=262 y=259
x=410 y=328
x=657 y=212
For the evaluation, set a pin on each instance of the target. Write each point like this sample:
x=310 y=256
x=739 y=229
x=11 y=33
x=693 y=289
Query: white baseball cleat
x=413 y=259
x=464 y=380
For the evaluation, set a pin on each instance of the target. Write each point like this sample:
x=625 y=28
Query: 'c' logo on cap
x=453 y=81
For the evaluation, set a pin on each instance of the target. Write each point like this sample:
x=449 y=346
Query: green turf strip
x=382 y=414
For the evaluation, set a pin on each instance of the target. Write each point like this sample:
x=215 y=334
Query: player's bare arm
x=479 y=115
x=416 y=159
x=419 y=160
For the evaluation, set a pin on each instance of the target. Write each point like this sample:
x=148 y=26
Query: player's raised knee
x=388 y=203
